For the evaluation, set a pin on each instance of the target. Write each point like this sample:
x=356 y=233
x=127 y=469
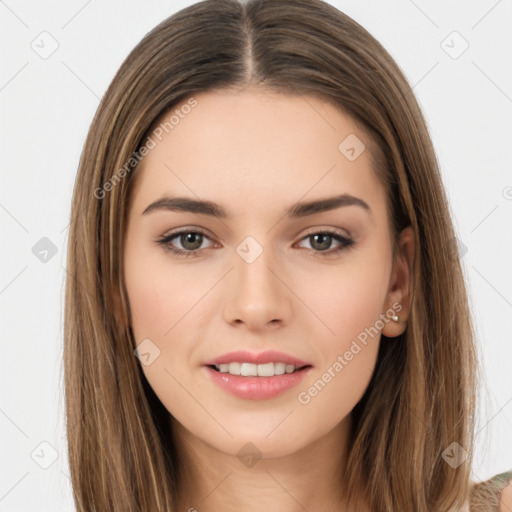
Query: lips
x=251 y=385
x=256 y=388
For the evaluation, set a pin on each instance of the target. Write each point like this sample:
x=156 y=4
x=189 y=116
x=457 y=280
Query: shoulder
x=493 y=495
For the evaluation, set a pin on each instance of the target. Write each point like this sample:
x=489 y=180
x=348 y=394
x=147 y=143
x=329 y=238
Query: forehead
x=260 y=145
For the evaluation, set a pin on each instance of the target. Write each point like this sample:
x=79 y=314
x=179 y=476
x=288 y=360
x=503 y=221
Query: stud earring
x=394 y=318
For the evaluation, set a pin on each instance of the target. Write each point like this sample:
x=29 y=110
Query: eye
x=192 y=240
x=322 y=240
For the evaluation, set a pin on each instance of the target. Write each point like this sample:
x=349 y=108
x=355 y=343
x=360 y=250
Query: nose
x=257 y=294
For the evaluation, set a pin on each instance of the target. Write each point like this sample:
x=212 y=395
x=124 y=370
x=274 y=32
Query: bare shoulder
x=506 y=498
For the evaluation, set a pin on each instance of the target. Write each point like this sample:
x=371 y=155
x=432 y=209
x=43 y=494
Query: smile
x=256 y=370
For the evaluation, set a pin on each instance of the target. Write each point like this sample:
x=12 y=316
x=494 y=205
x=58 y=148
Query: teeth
x=266 y=370
x=248 y=369
x=255 y=370
x=279 y=368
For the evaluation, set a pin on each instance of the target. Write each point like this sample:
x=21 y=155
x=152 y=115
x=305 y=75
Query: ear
x=398 y=298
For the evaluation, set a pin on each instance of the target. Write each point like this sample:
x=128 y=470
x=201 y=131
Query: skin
x=257 y=153
x=506 y=498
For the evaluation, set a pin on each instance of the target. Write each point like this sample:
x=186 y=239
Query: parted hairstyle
x=421 y=397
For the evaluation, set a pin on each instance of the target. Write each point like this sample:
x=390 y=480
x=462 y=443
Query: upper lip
x=268 y=356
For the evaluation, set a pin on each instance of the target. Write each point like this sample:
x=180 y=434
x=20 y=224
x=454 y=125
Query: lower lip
x=256 y=388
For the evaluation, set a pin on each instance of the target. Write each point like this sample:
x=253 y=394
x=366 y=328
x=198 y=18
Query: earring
x=394 y=318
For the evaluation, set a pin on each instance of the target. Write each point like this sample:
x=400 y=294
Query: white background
x=47 y=106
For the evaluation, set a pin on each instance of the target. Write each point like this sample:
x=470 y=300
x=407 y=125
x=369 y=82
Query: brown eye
x=321 y=241
x=190 y=241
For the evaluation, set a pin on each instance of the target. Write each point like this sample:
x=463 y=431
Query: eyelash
x=164 y=241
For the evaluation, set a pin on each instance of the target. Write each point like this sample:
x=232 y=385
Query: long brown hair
x=422 y=396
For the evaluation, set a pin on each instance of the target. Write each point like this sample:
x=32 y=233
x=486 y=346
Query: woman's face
x=257 y=278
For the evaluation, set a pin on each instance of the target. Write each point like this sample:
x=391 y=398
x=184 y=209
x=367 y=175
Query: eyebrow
x=300 y=209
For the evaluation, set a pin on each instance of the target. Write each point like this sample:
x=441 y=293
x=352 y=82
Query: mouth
x=256 y=376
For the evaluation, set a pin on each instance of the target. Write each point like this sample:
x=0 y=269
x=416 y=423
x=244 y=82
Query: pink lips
x=256 y=388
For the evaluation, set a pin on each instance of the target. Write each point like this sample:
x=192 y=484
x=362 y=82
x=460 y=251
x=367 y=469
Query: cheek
x=348 y=360
x=166 y=304
x=159 y=295
x=349 y=301
x=162 y=301
x=343 y=301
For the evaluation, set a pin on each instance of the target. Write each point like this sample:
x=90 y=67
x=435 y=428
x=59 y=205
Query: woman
x=314 y=350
